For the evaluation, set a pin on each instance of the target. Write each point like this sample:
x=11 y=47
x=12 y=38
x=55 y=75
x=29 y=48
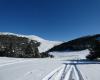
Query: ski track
x=13 y=62
x=65 y=72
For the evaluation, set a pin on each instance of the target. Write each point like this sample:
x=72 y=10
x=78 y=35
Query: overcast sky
x=50 y=19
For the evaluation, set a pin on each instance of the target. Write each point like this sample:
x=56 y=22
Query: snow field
x=70 y=67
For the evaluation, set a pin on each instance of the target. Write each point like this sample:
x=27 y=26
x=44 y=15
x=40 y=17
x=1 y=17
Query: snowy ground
x=67 y=67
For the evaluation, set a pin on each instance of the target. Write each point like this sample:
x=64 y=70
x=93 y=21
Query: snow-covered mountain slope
x=45 y=44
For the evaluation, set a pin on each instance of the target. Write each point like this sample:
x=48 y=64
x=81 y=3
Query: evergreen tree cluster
x=14 y=46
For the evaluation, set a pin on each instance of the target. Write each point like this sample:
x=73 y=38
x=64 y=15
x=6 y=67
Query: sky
x=59 y=20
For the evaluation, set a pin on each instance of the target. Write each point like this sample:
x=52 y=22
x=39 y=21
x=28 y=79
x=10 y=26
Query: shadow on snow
x=81 y=62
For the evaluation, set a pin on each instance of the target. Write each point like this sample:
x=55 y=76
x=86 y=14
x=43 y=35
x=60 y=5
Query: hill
x=77 y=44
x=15 y=45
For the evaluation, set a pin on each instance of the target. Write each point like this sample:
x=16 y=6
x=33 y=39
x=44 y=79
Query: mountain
x=44 y=44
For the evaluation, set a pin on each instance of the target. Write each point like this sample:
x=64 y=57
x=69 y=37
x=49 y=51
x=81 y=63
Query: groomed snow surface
x=65 y=66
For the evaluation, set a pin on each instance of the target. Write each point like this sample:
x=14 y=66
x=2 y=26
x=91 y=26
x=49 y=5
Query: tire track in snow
x=73 y=74
x=65 y=72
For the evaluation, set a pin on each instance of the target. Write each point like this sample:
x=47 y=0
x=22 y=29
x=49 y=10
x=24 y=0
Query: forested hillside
x=77 y=44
